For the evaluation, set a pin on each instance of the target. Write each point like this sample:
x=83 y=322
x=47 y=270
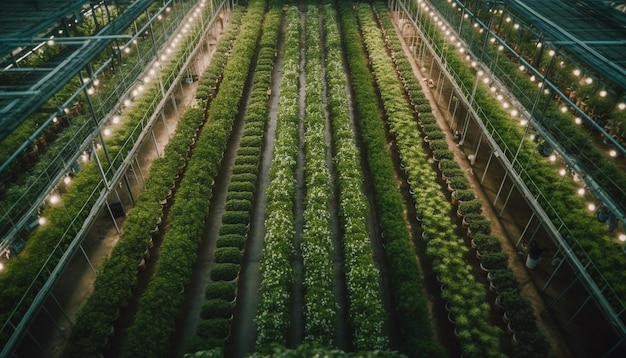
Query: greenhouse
x=401 y=178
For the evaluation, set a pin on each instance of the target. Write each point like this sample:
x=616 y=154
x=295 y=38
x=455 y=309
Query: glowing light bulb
x=581 y=191
x=562 y=172
x=55 y=199
x=552 y=158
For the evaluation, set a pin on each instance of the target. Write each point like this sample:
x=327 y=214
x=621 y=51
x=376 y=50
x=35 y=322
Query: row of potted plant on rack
x=367 y=315
x=487 y=246
x=160 y=304
x=588 y=238
x=217 y=310
x=316 y=241
x=410 y=302
x=144 y=221
x=477 y=336
x=207 y=84
x=46 y=245
x=272 y=318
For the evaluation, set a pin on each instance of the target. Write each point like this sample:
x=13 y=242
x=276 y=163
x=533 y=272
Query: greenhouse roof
x=25 y=24
x=590 y=30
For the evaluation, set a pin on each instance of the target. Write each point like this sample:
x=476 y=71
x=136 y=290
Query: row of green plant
x=410 y=302
x=272 y=317
x=46 y=245
x=487 y=246
x=477 y=336
x=217 y=310
x=589 y=239
x=367 y=315
x=160 y=304
x=316 y=242
x=118 y=273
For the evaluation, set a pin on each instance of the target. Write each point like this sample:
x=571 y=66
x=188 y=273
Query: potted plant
x=479 y=226
x=493 y=261
x=472 y=206
x=534 y=255
x=502 y=280
x=457 y=183
x=461 y=195
x=488 y=245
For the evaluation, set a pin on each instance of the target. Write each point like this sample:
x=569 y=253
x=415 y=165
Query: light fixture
x=54 y=199
x=578 y=120
x=522 y=68
x=106 y=132
x=127 y=102
x=514 y=113
x=551 y=53
x=588 y=80
x=581 y=191
x=67 y=179
x=576 y=72
x=563 y=109
x=505 y=105
x=552 y=158
x=621 y=106
x=116 y=119
x=562 y=172
x=523 y=122
x=591 y=207
x=42 y=221
x=612 y=153
x=622 y=237
x=532 y=78
x=603 y=93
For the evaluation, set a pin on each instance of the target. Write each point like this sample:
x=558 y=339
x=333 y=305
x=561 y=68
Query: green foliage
x=220 y=290
x=213 y=328
x=231 y=240
x=216 y=308
x=228 y=255
x=224 y=272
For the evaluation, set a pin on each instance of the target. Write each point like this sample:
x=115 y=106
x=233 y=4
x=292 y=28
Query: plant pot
x=532 y=262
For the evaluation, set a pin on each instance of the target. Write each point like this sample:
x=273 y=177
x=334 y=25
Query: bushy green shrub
x=224 y=272
x=236 y=217
x=213 y=328
x=238 y=205
x=231 y=240
x=228 y=255
x=220 y=290
x=216 y=308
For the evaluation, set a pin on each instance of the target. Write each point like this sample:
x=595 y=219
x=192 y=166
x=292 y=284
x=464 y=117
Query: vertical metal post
x=491 y=153
x=506 y=175
x=532 y=216
x=85 y=253
x=99 y=165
